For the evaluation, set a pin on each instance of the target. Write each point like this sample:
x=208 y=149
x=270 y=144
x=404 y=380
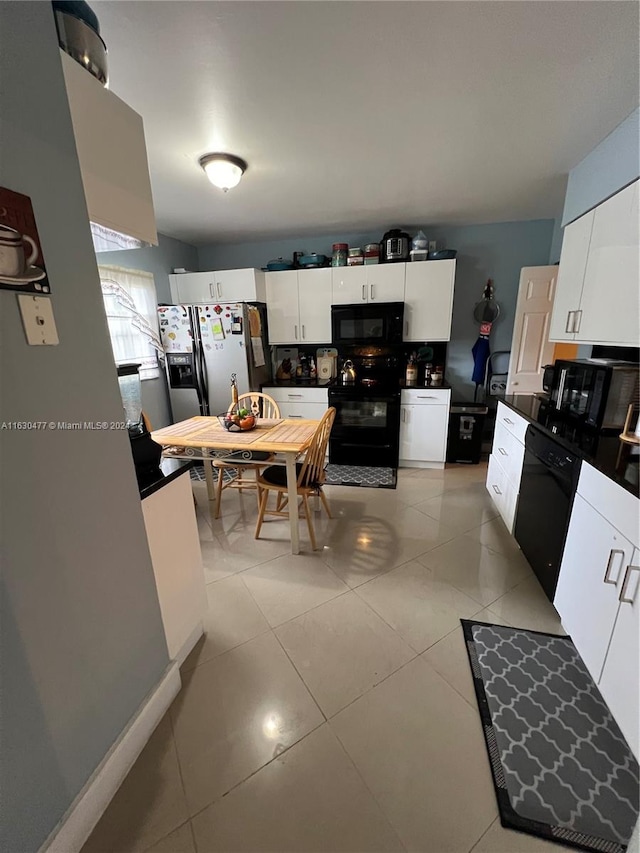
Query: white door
x=610 y=296
x=235 y=285
x=593 y=564
x=314 y=299
x=573 y=263
x=531 y=348
x=620 y=682
x=282 y=307
x=428 y=300
x=193 y=287
x=349 y=285
x=423 y=433
x=385 y=282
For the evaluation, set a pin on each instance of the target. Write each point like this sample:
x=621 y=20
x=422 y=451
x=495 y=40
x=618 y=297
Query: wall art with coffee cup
x=21 y=263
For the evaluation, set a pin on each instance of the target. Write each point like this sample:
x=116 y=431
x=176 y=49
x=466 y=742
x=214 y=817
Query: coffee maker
x=146 y=453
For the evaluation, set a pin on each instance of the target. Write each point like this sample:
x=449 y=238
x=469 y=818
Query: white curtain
x=130 y=303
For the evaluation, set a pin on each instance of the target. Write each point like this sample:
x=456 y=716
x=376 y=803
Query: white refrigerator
x=204 y=346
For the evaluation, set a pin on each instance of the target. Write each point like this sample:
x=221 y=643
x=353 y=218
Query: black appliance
x=366 y=430
x=377 y=324
x=549 y=480
x=591 y=394
x=547 y=377
x=395 y=247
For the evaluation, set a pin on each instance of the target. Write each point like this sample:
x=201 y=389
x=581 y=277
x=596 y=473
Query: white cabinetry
x=112 y=154
x=597 y=595
x=597 y=294
x=424 y=423
x=368 y=283
x=299 y=306
x=244 y=285
x=505 y=463
x=298 y=401
x=428 y=300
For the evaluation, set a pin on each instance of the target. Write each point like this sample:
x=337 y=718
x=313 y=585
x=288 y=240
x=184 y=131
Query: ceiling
x=364 y=115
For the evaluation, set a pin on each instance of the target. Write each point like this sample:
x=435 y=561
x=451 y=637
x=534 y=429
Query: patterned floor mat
x=561 y=766
x=360 y=475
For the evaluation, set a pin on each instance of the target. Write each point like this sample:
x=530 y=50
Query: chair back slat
x=260 y=405
x=313 y=464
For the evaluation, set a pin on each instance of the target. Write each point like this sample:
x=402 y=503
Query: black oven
x=366 y=430
x=372 y=323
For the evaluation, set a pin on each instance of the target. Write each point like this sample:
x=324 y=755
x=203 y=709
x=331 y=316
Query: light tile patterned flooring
x=330 y=706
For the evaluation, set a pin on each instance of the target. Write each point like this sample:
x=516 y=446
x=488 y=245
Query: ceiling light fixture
x=223 y=170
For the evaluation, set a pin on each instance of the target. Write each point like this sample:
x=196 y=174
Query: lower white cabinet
x=598 y=596
x=505 y=463
x=424 y=424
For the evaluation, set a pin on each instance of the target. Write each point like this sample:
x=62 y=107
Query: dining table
x=206 y=439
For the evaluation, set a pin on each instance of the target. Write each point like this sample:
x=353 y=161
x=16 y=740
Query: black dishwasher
x=548 y=484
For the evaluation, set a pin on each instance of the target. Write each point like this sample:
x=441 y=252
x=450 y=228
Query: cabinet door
x=620 y=682
x=573 y=263
x=428 y=300
x=609 y=306
x=235 y=285
x=282 y=307
x=593 y=564
x=193 y=287
x=385 y=282
x=314 y=299
x=348 y=285
x=423 y=433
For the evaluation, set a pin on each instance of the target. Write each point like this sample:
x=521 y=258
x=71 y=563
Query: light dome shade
x=223 y=170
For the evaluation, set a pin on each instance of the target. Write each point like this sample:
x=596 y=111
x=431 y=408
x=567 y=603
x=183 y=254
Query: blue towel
x=480 y=354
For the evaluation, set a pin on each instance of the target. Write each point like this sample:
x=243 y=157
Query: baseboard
x=88 y=807
x=411 y=464
x=189 y=643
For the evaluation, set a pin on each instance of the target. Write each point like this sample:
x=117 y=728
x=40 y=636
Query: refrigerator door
x=178 y=339
x=176 y=334
x=222 y=334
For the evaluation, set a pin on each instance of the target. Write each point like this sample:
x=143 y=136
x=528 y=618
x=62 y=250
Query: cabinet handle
x=373 y=296
x=502 y=451
x=406 y=328
x=294 y=395
x=507 y=421
x=607 y=573
x=303 y=334
x=577 y=322
x=219 y=288
x=426 y=397
x=496 y=489
x=404 y=416
x=570 y=314
x=295 y=331
x=625 y=584
x=211 y=287
x=294 y=416
x=364 y=292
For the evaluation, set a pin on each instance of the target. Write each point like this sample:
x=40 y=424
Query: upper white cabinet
x=597 y=293
x=428 y=300
x=299 y=306
x=112 y=155
x=244 y=285
x=368 y=283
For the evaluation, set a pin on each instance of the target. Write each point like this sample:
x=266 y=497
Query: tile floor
x=330 y=706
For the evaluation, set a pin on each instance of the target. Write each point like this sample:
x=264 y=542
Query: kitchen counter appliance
x=366 y=430
x=367 y=324
x=549 y=480
x=395 y=247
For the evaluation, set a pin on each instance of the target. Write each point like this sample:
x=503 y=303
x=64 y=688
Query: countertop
x=298 y=383
x=615 y=459
x=169 y=470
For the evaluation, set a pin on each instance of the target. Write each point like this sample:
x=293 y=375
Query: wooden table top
x=286 y=435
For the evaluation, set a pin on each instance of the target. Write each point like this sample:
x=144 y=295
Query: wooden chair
x=260 y=405
x=309 y=480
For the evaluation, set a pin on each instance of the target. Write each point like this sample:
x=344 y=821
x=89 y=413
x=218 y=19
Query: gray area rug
x=361 y=475
x=561 y=766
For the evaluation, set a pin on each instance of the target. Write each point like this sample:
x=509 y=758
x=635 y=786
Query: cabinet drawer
x=298 y=394
x=516 y=424
x=510 y=451
x=425 y=397
x=502 y=492
x=312 y=411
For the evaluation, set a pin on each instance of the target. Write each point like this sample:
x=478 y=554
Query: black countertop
x=298 y=383
x=617 y=460
x=169 y=470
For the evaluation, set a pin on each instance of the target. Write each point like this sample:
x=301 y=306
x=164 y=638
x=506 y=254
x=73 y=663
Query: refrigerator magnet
x=218 y=330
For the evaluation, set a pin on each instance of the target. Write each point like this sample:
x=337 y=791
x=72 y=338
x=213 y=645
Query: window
x=130 y=303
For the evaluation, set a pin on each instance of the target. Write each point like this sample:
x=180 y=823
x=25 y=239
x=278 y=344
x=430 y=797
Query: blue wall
x=159 y=260
x=496 y=251
x=611 y=166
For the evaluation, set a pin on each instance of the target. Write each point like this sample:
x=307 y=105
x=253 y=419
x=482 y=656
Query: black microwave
x=378 y=323
x=593 y=392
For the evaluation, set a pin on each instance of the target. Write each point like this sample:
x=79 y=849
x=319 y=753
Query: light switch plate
x=37 y=319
